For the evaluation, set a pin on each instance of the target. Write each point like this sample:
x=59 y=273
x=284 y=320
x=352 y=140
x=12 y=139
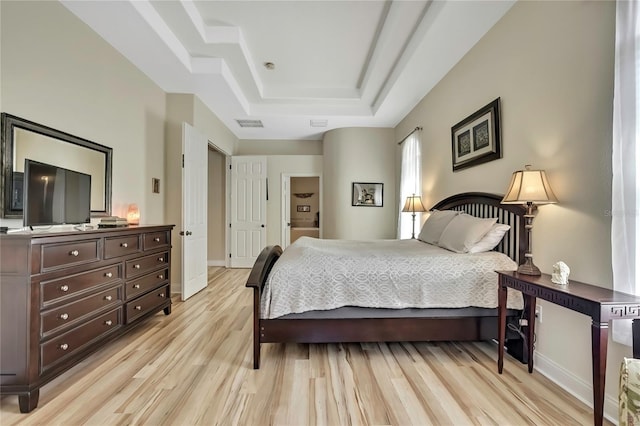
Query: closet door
x=248 y=209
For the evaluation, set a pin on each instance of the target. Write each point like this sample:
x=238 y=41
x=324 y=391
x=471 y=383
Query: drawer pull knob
x=162 y=295
x=64 y=346
x=161 y=276
x=125 y=245
x=108 y=298
x=138 y=308
x=136 y=266
x=136 y=286
x=64 y=288
x=64 y=316
x=74 y=252
x=161 y=259
x=108 y=275
x=108 y=322
x=156 y=239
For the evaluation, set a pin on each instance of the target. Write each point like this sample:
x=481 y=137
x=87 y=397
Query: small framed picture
x=366 y=194
x=476 y=139
x=155 y=185
x=304 y=208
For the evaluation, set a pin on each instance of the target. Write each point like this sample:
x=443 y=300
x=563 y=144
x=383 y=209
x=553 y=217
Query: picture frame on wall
x=477 y=139
x=367 y=194
x=303 y=208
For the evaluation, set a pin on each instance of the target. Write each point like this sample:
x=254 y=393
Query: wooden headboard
x=484 y=205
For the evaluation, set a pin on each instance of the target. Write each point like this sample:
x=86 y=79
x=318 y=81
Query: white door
x=194 y=211
x=248 y=209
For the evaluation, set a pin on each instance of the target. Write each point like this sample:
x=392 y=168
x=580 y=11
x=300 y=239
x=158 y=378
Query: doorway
x=216 y=207
x=302 y=203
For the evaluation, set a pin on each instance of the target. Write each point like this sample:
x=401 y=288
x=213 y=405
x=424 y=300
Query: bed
x=304 y=324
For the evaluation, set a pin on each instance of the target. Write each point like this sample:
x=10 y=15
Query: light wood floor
x=194 y=367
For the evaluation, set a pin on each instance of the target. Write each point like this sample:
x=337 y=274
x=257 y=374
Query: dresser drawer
x=155 y=239
x=78 y=338
x=57 y=290
x=65 y=316
x=143 y=265
x=147 y=303
x=121 y=246
x=56 y=256
x=146 y=283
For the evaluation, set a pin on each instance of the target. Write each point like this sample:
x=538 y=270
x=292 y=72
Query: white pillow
x=435 y=224
x=491 y=238
x=464 y=231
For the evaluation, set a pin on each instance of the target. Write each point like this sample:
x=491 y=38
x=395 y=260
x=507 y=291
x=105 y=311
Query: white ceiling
x=360 y=63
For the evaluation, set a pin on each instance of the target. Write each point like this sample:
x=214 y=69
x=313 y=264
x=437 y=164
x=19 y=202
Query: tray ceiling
x=349 y=63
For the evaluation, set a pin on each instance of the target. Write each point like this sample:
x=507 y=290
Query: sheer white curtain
x=410 y=182
x=625 y=202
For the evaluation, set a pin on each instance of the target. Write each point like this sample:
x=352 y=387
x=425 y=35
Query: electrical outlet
x=539 y=313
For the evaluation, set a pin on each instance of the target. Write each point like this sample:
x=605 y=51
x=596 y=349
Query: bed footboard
x=257 y=279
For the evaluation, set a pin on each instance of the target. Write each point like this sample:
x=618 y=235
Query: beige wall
x=358 y=155
x=278 y=147
x=56 y=71
x=215 y=130
x=552 y=65
x=216 y=202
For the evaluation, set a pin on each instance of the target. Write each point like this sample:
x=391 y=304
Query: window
x=410 y=183
x=625 y=200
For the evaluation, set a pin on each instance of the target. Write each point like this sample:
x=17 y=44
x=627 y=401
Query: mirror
x=23 y=139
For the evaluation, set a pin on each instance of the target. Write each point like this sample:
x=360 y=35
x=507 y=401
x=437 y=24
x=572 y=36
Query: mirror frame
x=9 y=123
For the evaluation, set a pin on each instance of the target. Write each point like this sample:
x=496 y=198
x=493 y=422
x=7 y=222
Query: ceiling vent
x=249 y=123
x=318 y=123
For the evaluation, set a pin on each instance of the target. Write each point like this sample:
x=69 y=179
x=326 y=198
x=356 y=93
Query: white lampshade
x=413 y=204
x=529 y=186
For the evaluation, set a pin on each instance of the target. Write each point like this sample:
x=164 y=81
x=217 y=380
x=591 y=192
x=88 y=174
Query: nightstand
x=599 y=303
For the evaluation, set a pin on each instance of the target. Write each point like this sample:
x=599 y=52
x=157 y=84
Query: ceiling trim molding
x=218 y=34
x=155 y=21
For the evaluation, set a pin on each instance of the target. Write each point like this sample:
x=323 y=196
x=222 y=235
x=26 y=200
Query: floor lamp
x=529 y=187
x=413 y=205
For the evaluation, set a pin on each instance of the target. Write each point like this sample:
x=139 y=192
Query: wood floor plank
x=194 y=367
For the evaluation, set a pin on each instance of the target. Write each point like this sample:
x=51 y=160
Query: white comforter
x=315 y=274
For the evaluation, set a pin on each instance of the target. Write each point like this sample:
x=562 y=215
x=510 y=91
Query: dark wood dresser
x=65 y=294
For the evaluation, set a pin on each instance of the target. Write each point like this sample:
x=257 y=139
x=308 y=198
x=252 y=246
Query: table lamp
x=529 y=187
x=413 y=205
x=133 y=214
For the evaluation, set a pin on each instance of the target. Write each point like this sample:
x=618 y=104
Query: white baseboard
x=215 y=263
x=575 y=385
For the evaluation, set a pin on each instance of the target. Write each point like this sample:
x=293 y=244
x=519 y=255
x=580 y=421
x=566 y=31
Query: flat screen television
x=55 y=196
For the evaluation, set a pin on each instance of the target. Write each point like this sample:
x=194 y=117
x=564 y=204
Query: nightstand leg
x=531 y=326
x=636 y=337
x=502 y=322
x=599 y=339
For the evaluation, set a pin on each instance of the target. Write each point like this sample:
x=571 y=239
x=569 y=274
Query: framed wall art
x=303 y=208
x=366 y=194
x=477 y=139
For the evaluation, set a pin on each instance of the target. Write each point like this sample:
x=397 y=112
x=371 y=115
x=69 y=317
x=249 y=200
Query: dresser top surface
x=93 y=232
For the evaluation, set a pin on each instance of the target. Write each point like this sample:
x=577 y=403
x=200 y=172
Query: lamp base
x=528 y=268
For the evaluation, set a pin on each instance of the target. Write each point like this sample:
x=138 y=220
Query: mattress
x=318 y=275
